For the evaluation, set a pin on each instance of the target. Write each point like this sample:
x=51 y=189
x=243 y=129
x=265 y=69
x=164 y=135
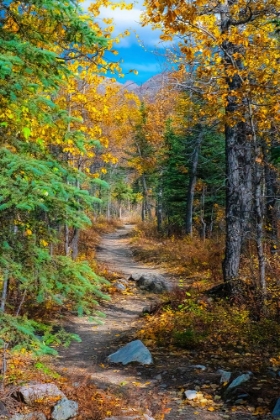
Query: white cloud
x=129 y=20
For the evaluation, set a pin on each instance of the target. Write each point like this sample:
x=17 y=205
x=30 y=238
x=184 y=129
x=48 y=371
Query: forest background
x=195 y=154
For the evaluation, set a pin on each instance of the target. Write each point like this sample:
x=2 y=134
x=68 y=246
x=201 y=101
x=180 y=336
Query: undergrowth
x=22 y=367
x=194 y=322
x=185 y=257
x=241 y=330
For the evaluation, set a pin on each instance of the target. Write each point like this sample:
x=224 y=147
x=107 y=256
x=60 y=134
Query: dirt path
x=114 y=250
x=147 y=386
x=122 y=315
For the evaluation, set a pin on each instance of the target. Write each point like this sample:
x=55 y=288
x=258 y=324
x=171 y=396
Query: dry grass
x=239 y=329
x=188 y=258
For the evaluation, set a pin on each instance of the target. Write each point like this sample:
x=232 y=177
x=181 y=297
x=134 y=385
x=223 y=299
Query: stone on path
x=276 y=411
x=3 y=410
x=239 y=380
x=135 y=276
x=135 y=351
x=153 y=283
x=123 y=281
x=146 y=310
x=191 y=394
x=201 y=367
x=65 y=409
x=33 y=392
x=225 y=378
x=119 y=286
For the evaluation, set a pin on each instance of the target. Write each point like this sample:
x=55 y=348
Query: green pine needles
x=44 y=200
x=37 y=199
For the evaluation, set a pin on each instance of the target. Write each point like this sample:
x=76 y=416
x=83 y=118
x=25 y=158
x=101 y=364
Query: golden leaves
x=11 y=25
x=248 y=51
x=166 y=37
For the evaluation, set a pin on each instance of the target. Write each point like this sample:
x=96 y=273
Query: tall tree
x=237 y=72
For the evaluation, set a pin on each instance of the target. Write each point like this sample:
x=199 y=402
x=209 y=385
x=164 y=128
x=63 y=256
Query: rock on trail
x=135 y=351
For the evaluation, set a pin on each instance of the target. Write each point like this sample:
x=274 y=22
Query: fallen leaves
x=203 y=400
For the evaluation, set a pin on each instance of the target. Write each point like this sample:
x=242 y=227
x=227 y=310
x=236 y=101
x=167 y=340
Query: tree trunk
x=120 y=211
x=159 y=205
x=4 y=291
x=76 y=232
x=238 y=168
x=146 y=210
x=192 y=184
x=203 y=224
x=75 y=243
x=271 y=203
x=109 y=203
x=66 y=241
x=258 y=180
x=238 y=197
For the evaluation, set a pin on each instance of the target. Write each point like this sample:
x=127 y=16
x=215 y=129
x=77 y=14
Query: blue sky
x=147 y=59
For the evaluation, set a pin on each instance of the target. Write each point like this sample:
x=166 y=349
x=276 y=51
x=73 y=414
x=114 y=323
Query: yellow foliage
x=254 y=58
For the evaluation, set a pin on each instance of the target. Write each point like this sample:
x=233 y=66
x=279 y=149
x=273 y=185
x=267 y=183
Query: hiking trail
x=146 y=386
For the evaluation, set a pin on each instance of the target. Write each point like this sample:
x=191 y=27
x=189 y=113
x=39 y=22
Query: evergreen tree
x=39 y=191
x=174 y=181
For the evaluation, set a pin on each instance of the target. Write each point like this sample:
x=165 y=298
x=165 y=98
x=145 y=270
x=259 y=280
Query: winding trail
x=147 y=386
x=115 y=252
x=122 y=319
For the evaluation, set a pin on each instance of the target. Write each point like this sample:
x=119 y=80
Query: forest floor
x=159 y=387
